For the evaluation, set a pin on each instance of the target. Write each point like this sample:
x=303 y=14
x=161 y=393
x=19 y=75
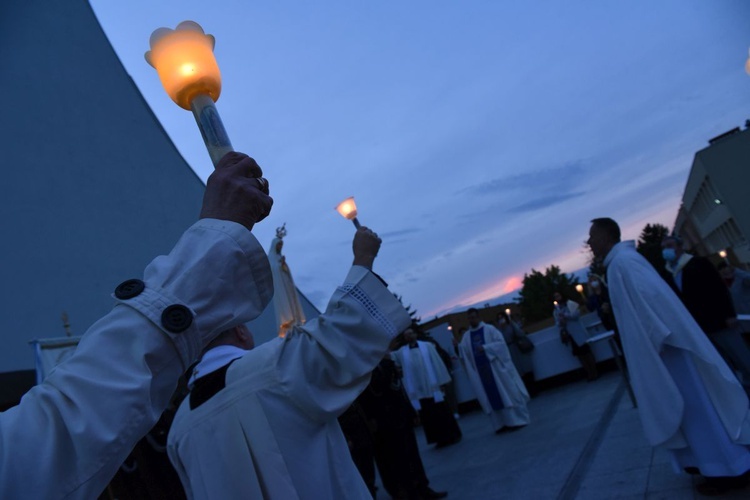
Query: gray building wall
x=720 y=172
x=92 y=186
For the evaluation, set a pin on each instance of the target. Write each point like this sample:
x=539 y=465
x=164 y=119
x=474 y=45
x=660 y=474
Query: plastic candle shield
x=185 y=62
x=347 y=208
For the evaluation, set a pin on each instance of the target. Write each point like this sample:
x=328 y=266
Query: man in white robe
x=265 y=423
x=424 y=375
x=689 y=400
x=488 y=363
x=69 y=435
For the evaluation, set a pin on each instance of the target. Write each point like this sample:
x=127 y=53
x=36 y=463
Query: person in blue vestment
x=496 y=382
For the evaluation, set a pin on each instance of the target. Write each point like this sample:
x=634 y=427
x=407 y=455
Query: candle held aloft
x=184 y=59
x=348 y=210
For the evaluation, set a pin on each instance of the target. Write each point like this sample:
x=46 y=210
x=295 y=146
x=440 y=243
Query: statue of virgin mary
x=285 y=298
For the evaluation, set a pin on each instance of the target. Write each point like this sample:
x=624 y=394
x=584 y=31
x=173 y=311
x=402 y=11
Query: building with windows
x=715 y=210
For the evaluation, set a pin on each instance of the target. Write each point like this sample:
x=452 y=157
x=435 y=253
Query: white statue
x=285 y=298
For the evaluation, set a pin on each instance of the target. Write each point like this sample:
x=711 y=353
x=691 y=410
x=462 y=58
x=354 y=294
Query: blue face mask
x=668 y=254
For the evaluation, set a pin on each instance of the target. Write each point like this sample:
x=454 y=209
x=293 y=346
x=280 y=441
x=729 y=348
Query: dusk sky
x=477 y=137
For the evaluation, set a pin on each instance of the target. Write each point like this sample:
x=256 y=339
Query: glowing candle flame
x=184 y=59
x=347 y=208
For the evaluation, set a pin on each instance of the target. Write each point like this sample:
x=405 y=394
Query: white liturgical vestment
x=70 y=434
x=651 y=318
x=272 y=430
x=424 y=372
x=509 y=385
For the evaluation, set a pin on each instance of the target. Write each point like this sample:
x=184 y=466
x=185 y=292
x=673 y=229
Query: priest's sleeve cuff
x=370 y=291
x=216 y=277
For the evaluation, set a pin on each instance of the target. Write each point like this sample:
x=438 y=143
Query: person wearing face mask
x=690 y=403
x=705 y=295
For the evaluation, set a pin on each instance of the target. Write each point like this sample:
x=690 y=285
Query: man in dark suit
x=391 y=416
x=705 y=295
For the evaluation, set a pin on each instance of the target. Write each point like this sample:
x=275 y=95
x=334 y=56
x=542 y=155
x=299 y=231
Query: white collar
x=214 y=359
x=622 y=246
x=675 y=270
x=480 y=325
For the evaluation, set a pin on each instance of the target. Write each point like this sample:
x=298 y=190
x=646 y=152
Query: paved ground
x=585 y=442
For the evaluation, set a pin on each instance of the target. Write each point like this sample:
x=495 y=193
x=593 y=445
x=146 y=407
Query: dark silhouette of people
x=384 y=410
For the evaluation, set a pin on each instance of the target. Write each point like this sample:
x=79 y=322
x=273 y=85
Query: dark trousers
x=440 y=427
x=363 y=456
x=399 y=462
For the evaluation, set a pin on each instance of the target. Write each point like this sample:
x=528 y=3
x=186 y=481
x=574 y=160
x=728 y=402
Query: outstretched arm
x=69 y=435
x=326 y=363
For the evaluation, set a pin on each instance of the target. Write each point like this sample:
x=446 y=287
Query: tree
x=412 y=312
x=536 y=294
x=649 y=245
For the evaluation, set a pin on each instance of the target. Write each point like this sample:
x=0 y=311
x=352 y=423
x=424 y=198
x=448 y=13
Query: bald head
x=239 y=336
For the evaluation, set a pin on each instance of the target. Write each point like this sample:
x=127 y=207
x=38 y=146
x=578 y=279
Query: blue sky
x=478 y=137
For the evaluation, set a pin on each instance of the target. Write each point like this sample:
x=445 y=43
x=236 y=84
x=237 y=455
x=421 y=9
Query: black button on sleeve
x=129 y=289
x=176 y=318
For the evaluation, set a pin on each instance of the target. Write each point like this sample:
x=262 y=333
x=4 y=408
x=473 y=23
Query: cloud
x=392 y=236
x=513 y=284
x=544 y=202
x=399 y=232
x=408 y=277
x=560 y=177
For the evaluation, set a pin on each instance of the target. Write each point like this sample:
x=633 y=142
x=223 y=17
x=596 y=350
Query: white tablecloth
x=551 y=357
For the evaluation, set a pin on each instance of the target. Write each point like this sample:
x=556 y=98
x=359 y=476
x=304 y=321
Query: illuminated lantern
x=348 y=210
x=184 y=59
